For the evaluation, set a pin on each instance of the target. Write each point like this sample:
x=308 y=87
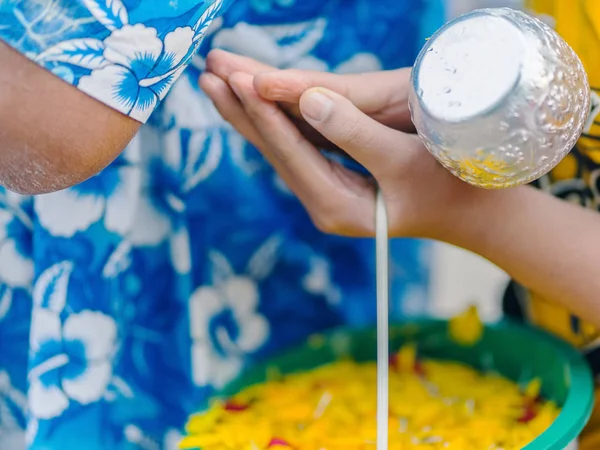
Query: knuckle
x=357 y=135
x=282 y=158
x=227 y=111
x=260 y=111
x=252 y=112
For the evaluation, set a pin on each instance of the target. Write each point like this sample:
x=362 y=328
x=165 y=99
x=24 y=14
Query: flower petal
x=16 y=269
x=91 y=385
x=253 y=332
x=204 y=304
x=115 y=86
x=45 y=326
x=176 y=45
x=120 y=208
x=252 y=41
x=46 y=402
x=144 y=105
x=208 y=368
x=96 y=331
x=191 y=109
x=66 y=212
x=241 y=294
x=162 y=87
x=151 y=226
x=136 y=47
x=201 y=363
x=224 y=370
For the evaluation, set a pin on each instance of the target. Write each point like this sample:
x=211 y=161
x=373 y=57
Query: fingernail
x=316 y=106
x=235 y=90
x=206 y=77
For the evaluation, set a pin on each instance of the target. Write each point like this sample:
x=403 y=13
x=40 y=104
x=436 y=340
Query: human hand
x=389 y=107
x=420 y=194
x=536 y=238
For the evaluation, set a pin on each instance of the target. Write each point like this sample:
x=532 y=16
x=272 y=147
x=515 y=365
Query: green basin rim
x=545 y=355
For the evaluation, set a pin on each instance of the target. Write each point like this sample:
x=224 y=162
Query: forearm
x=52 y=135
x=550 y=246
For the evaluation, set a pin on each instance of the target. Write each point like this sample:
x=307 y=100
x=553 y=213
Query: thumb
x=382 y=95
x=378 y=148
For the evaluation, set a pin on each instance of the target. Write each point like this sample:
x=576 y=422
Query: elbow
x=52 y=136
x=48 y=167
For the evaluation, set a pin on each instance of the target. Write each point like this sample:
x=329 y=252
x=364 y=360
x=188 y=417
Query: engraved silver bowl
x=502 y=121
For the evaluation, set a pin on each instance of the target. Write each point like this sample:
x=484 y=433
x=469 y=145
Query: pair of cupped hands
x=290 y=114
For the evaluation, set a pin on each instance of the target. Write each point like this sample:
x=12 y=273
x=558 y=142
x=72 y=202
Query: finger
x=378 y=148
x=229 y=107
x=376 y=92
x=340 y=198
x=223 y=64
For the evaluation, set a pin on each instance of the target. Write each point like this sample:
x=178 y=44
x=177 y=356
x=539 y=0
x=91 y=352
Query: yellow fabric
x=578 y=22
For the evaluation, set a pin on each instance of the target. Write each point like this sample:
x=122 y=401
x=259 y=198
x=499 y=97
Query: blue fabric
x=127 y=300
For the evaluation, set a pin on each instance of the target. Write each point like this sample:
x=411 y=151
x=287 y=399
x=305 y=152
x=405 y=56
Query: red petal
x=235 y=407
x=278 y=442
x=419 y=369
x=528 y=414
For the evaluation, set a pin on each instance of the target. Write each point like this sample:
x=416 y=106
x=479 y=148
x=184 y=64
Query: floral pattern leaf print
x=132 y=68
x=85 y=53
x=110 y=13
x=206 y=19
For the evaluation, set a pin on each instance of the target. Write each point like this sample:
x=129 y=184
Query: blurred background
x=458 y=277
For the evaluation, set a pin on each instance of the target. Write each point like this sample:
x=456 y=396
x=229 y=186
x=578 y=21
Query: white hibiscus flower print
x=225 y=323
x=133 y=68
x=136 y=76
x=281 y=46
x=109 y=196
x=71 y=358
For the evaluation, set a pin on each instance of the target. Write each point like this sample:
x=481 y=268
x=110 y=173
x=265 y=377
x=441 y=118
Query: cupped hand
x=365 y=122
x=386 y=99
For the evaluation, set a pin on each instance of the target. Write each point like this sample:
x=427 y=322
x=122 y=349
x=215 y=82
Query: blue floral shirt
x=127 y=300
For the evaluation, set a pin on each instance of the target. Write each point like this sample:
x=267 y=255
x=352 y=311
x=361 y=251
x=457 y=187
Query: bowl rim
x=577 y=408
x=566 y=428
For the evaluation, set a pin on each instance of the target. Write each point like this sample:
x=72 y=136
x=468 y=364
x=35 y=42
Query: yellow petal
x=467 y=328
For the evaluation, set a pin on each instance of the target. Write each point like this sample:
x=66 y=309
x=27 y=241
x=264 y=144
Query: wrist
x=476 y=217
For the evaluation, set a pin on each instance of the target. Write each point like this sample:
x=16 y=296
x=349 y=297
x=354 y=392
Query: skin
x=52 y=136
x=548 y=245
